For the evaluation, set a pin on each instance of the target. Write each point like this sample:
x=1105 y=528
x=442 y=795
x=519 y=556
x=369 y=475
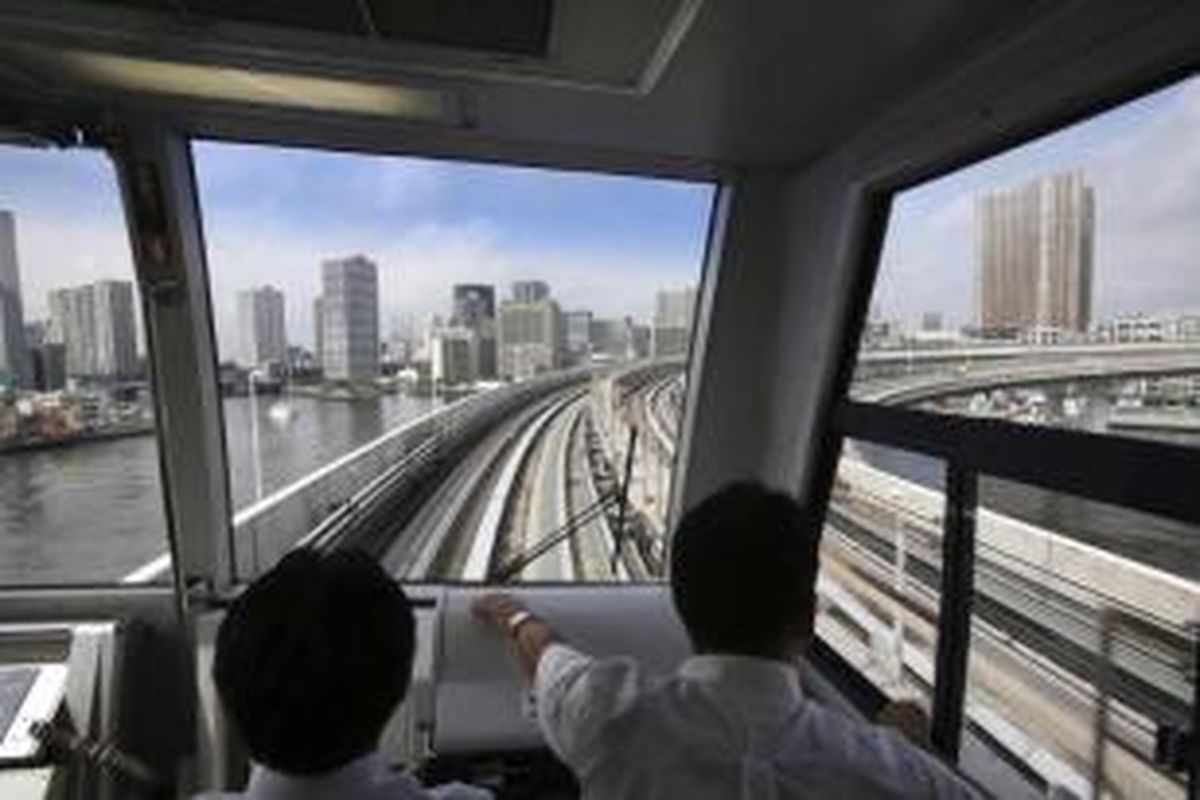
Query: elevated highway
x=967 y=376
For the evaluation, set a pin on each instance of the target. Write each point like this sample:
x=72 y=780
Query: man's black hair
x=743 y=572
x=313 y=658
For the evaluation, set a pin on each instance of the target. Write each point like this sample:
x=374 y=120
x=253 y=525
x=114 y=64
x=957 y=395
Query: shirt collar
x=347 y=781
x=767 y=678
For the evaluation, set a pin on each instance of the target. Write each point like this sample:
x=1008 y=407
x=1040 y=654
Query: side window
x=445 y=362
x=881 y=567
x=1049 y=293
x=80 y=494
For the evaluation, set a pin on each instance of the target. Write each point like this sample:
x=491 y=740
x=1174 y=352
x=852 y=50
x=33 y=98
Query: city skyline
x=601 y=239
x=606 y=243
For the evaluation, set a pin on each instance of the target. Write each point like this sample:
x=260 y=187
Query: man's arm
x=576 y=696
x=530 y=636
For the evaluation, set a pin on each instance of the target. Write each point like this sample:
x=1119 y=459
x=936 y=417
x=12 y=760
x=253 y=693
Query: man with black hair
x=311 y=662
x=733 y=722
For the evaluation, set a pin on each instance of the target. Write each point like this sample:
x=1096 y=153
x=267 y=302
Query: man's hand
x=497 y=608
x=531 y=636
x=907 y=717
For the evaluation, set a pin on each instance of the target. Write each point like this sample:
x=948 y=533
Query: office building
x=1034 y=256
x=530 y=291
x=475 y=309
x=607 y=339
x=530 y=332
x=14 y=352
x=671 y=333
x=261 y=327
x=473 y=303
x=95 y=325
x=349 y=318
x=453 y=355
x=578 y=337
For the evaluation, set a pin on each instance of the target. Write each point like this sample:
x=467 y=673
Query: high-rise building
x=95 y=325
x=530 y=332
x=639 y=339
x=607 y=338
x=475 y=309
x=530 y=291
x=261 y=327
x=116 y=332
x=672 y=330
x=578 y=337
x=350 y=318
x=1034 y=254
x=453 y=355
x=14 y=352
x=473 y=302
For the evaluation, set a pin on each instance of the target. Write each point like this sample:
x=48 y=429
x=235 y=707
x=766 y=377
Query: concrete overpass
x=974 y=375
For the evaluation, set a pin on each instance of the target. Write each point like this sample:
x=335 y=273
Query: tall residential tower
x=1034 y=254
x=95 y=324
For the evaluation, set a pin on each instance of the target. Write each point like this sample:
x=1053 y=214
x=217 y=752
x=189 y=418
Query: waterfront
x=93 y=512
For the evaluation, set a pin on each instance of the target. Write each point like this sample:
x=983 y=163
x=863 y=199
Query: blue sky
x=605 y=243
x=1143 y=161
x=270 y=215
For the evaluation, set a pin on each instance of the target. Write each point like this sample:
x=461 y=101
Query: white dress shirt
x=366 y=778
x=723 y=726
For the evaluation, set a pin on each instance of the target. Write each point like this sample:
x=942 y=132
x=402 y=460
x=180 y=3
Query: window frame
x=1053 y=459
x=226 y=577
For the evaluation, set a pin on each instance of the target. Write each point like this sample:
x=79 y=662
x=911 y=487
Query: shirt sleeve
x=577 y=697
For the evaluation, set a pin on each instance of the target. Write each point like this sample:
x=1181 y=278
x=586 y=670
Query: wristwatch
x=518 y=619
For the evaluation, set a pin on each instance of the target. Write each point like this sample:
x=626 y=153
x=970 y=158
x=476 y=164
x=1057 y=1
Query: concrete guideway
x=432 y=545
x=633 y=399
x=1153 y=675
x=1040 y=714
x=487 y=534
x=595 y=544
x=1164 y=599
x=544 y=487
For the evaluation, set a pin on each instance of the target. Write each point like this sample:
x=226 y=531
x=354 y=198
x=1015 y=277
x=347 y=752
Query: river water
x=91 y=513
